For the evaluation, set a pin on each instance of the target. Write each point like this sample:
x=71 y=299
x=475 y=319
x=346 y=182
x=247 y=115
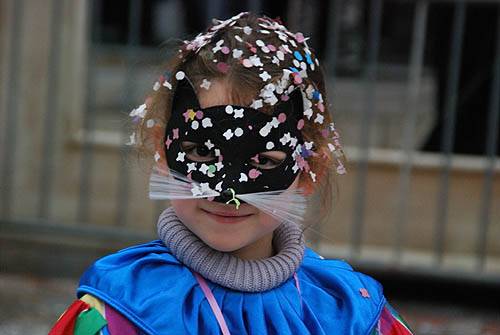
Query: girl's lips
x=227 y=217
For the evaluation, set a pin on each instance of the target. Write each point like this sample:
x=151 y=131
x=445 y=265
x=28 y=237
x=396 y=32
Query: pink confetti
x=210 y=198
x=168 y=142
x=283 y=50
x=321 y=107
x=220 y=158
x=225 y=50
x=253 y=49
x=247 y=62
x=250 y=127
x=189 y=176
x=199 y=115
x=255 y=158
x=254 y=173
x=297 y=79
x=300 y=124
x=325 y=133
x=299 y=37
x=222 y=67
x=176 y=133
x=285 y=97
x=364 y=293
x=282 y=117
x=271 y=47
x=186 y=115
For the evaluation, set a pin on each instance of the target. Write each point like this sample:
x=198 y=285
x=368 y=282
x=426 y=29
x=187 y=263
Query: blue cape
x=160 y=295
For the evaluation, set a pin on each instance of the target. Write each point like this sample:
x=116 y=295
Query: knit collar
x=229 y=271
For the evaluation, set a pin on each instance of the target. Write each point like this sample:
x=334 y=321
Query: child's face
x=222 y=226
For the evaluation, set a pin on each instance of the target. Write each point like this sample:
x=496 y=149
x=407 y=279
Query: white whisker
x=170 y=184
x=284 y=205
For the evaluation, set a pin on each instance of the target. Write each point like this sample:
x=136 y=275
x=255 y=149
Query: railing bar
x=12 y=109
x=86 y=164
x=491 y=149
x=333 y=28
x=51 y=112
x=449 y=128
x=368 y=106
x=414 y=79
x=123 y=185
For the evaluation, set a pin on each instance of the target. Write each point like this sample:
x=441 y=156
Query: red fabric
x=66 y=324
x=390 y=325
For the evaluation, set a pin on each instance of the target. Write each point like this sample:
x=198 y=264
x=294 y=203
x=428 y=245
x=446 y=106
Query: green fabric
x=89 y=322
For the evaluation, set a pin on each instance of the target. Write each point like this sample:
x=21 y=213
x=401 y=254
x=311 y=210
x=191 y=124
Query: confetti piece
x=238 y=113
x=229 y=109
x=265 y=76
x=299 y=37
x=243 y=177
x=206 y=122
x=254 y=173
x=195 y=125
x=209 y=144
x=225 y=50
x=228 y=134
x=237 y=53
x=180 y=157
x=175 y=133
x=150 y=123
x=238 y=132
x=168 y=142
x=247 y=63
x=271 y=47
x=297 y=79
x=199 y=114
x=247 y=30
x=364 y=293
x=282 y=117
x=180 y=75
x=269 y=145
x=212 y=169
x=222 y=67
x=205 y=84
x=157 y=156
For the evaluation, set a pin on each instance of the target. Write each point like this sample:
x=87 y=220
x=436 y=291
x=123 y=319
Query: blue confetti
x=316 y=95
x=293 y=69
x=167 y=74
x=304 y=152
x=297 y=55
x=308 y=59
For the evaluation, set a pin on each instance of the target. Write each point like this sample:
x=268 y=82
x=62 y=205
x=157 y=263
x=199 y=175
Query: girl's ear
x=319 y=166
x=159 y=147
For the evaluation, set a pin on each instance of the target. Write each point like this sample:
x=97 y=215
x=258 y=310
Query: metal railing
x=46 y=208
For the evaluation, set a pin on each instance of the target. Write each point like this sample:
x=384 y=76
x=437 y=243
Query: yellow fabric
x=93 y=302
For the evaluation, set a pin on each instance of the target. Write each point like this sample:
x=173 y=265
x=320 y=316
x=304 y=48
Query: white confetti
x=157 y=156
x=219 y=166
x=180 y=75
x=308 y=113
x=205 y=187
x=228 y=134
x=331 y=147
x=203 y=168
x=239 y=39
x=256 y=104
x=229 y=109
x=238 y=113
x=150 y=123
x=285 y=138
x=205 y=84
x=156 y=86
x=313 y=176
x=209 y=144
x=218 y=187
x=264 y=131
x=191 y=167
x=237 y=53
x=238 y=132
x=308 y=145
x=265 y=76
x=319 y=118
x=269 y=145
x=243 y=177
x=180 y=157
x=247 y=30
x=167 y=85
x=255 y=60
x=206 y=122
x=195 y=124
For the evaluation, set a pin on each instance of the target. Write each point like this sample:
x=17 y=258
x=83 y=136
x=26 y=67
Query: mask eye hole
x=197 y=152
x=268 y=159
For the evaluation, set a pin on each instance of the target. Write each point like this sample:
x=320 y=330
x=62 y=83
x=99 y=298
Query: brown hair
x=244 y=85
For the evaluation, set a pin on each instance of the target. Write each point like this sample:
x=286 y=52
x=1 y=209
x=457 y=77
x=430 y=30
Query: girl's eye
x=268 y=160
x=197 y=152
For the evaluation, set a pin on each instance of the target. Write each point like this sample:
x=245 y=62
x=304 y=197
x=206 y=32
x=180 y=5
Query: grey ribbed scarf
x=229 y=271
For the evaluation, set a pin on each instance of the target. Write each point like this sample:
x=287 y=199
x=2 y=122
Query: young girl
x=240 y=132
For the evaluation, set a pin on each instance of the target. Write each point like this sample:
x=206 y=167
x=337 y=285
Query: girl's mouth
x=227 y=217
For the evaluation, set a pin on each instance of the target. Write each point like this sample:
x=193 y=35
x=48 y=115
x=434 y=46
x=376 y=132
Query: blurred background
x=415 y=88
